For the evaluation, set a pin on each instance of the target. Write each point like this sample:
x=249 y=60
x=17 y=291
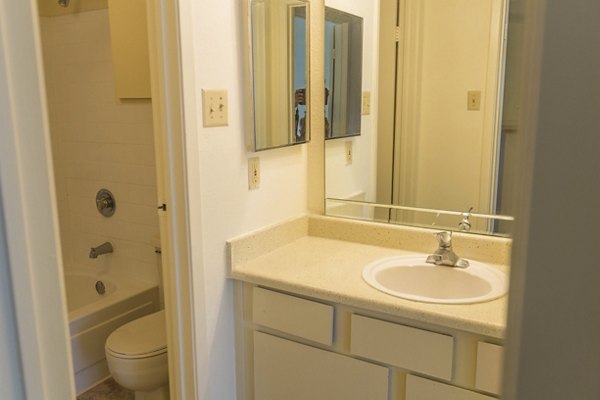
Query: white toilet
x=137 y=357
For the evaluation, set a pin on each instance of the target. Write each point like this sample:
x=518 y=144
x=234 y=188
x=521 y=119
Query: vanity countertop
x=298 y=257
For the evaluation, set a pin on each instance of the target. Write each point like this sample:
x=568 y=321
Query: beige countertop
x=296 y=257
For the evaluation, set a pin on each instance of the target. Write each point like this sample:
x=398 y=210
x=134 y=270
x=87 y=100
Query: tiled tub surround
x=99 y=141
x=308 y=326
x=323 y=257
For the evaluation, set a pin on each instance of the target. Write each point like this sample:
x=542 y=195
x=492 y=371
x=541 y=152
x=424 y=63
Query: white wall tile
x=121 y=173
x=144 y=195
x=99 y=142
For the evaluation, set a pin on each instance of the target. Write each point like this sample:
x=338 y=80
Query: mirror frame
x=250 y=126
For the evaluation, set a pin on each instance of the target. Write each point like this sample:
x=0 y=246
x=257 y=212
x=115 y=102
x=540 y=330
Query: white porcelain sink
x=410 y=277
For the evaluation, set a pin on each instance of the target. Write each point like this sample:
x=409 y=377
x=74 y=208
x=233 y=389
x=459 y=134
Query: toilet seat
x=142 y=338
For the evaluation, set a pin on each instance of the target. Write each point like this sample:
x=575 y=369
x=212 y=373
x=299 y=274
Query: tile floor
x=107 y=390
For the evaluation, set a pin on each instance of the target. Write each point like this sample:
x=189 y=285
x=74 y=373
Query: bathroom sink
x=411 y=278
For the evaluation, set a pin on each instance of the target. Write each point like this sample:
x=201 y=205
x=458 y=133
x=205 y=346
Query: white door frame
x=30 y=212
x=170 y=150
x=29 y=207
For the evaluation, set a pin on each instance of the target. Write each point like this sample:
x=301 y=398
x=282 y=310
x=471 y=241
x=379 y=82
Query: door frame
x=30 y=210
x=170 y=153
x=34 y=261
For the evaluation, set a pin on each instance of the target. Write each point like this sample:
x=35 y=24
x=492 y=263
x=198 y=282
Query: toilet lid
x=142 y=336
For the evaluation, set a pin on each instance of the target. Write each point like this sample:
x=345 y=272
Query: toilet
x=137 y=357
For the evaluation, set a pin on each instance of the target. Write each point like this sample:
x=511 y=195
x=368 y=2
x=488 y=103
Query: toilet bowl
x=137 y=357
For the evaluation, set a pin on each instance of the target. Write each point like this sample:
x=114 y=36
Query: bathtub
x=93 y=316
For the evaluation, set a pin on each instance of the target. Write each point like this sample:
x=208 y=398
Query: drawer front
x=490 y=358
x=286 y=370
x=402 y=346
x=424 y=389
x=299 y=317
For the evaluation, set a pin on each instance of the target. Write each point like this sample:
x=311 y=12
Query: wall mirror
x=433 y=149
x=343 y=73
x=277 y=74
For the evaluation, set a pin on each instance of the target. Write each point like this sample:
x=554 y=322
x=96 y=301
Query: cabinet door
x=424 y=389
x=129 y=43
x=489 y=367
x=288 y=370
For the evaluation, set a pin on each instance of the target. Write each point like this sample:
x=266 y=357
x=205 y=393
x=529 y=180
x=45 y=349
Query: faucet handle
x=444 y=239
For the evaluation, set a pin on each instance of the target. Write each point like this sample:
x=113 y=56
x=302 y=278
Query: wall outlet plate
x=253 y=173
x=349 y=152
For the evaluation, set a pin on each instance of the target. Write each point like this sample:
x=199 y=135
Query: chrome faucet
x=444 y=255
x=104 y=248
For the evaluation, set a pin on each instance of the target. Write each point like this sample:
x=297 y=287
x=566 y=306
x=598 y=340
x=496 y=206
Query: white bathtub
x=92 y=317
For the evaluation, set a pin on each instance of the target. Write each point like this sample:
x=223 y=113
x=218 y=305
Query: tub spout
x=104 y=248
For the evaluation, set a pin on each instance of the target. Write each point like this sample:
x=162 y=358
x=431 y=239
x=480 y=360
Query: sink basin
x=411 y=278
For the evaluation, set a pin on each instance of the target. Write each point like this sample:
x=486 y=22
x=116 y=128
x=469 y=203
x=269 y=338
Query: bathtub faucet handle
x=104 y=248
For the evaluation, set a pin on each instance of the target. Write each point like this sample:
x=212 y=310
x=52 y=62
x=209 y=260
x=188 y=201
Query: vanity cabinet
x=294 y=347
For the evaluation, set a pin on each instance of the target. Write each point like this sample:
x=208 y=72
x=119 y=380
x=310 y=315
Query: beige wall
x=99 y=142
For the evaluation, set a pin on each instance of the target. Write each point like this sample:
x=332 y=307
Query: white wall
x=554 y=311
x=10 y=365
x=348 y=180
x=221 y=204
x=99 y=142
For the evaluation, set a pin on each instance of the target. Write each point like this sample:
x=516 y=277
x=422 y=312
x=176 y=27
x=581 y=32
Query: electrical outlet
x=366 y=103
x=253 y=173
x=214 y=108
x=349 y=152
x=474 y=100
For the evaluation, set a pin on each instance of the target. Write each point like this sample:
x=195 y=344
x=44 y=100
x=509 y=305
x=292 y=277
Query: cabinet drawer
x=489 y=367
x=402 y=346
x=288 y=370
x=423 y=389
x=300 y=317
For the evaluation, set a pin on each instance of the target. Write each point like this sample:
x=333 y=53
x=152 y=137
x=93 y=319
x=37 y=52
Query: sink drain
x=100 y=288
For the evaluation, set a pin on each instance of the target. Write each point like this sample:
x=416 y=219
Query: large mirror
x=277 y=77
x=432 y=150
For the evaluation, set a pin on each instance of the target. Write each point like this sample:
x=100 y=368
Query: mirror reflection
x=279 y=108
x=343 y=73
x=434 y=142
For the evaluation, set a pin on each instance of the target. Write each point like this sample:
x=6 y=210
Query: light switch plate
x=474 y=100
x=214 y=108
